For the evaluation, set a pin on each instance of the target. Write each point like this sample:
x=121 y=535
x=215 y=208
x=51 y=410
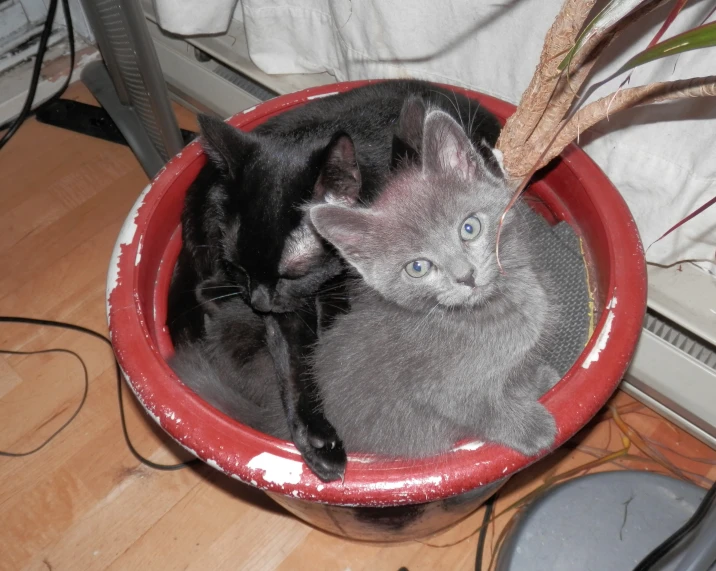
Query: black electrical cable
x=85 y=330
x=27 y=109
x=74 y=414
x=660 y=551
x=489 y=507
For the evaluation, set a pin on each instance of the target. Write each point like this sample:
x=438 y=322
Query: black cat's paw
x=322 y=451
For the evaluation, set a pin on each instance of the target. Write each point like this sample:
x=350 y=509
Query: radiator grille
x=680 y=338
x=131 y=61
x=248 y=85
x=120 y=37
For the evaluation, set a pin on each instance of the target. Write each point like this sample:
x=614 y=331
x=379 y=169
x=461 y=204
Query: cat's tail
x=223 y=386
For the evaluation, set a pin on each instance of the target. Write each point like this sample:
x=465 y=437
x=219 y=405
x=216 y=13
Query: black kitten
x=245 y=233
x=242 y=223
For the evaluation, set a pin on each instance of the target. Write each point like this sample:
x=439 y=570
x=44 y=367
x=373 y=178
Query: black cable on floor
x=489 y=507
x=27 y=109
x=86 y=331
x=74 y=414
x=662 y=550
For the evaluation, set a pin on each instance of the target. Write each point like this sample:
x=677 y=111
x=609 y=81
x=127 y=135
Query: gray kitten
x=439 y=345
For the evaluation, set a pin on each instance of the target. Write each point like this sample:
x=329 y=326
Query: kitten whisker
x=341 y=292
x=328 y=289
x=342 y=286
x=341 y=309
x=204 y=303
x=216 y=287
x=457 y=111
x=471 y=124
x=217 y=298
x=331 y=290
x=305 y=323
x=453 y=103
x=424 y=320
x=335 y=300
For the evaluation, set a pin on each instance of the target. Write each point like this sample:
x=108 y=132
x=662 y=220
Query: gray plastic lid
x=606 y=521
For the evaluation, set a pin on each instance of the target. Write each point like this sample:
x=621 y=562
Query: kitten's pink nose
x=468 y=280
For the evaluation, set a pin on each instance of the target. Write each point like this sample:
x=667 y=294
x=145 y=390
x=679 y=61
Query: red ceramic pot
x=379 y=500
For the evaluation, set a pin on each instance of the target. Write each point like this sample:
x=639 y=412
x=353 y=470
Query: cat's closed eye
x=292 y=273
x=470 y=228
x=418 y=268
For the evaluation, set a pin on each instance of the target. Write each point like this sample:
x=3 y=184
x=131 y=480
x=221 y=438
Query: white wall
x=19 y=16
x=13 y=20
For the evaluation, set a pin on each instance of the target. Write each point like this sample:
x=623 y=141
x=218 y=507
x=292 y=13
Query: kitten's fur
x=245 y=235
x=422 y=362
x=232 y=370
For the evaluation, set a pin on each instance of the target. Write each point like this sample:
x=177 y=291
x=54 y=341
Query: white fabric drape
x=662 y=158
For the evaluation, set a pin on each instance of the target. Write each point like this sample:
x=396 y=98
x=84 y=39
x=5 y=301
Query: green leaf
x=610 y=15
x=673 y=13
x=669 y=20
x=698 y=38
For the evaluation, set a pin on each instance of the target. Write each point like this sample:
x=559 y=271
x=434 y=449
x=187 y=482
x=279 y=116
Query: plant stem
x=559 y=40
x=625 y=99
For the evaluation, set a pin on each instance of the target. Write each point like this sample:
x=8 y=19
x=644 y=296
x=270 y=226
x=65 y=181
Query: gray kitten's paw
x=546 y=377
x=534 y=432
x=540 y=431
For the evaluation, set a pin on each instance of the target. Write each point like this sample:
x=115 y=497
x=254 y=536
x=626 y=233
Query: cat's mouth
x=280 y=308
x=275 y=306
x=467 y=297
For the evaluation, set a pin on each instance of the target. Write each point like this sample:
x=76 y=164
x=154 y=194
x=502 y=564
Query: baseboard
x=669 y=412
x=196 y=82
x=673 y=371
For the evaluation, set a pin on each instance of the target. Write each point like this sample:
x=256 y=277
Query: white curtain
x=661 y=158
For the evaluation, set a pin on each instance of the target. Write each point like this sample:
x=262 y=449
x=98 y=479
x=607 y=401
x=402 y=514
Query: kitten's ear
x=446 y=147
x=408 y=136
x=344 y=227
x=340 y=178
x=224 y=145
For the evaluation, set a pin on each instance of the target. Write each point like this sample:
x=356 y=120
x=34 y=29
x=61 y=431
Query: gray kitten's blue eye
x=418 y=268
x=470 y=228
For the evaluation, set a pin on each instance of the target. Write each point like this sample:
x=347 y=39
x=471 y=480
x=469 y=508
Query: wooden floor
x=84 y=502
